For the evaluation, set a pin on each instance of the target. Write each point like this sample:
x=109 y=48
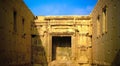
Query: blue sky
x=60 y=7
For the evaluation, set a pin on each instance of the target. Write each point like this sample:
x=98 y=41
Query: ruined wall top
x=47 y=18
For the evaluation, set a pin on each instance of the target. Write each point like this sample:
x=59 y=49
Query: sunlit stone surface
x=28 y=40
x=66 y=39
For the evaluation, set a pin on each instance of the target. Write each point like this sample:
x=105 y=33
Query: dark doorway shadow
x=61 y=47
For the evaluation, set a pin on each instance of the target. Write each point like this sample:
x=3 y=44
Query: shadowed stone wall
x=94 y=38
x=106 y=33
x=15 y=33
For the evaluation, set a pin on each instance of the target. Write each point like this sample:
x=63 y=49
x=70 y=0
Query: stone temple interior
x=75 y=40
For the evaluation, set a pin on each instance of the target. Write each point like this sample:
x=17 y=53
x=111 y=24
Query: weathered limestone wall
x=102 y=26
x=39 y=57
x=106 y=33
x=76 y=27
x=15 y=35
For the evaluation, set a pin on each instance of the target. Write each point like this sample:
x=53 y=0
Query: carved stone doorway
x=61 y=47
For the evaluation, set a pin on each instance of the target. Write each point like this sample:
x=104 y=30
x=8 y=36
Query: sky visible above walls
x=60 y=7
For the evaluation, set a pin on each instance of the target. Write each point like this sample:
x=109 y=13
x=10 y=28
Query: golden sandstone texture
x=88 y=40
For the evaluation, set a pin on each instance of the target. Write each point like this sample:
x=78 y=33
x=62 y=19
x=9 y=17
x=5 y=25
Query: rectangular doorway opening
x=61 y=47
